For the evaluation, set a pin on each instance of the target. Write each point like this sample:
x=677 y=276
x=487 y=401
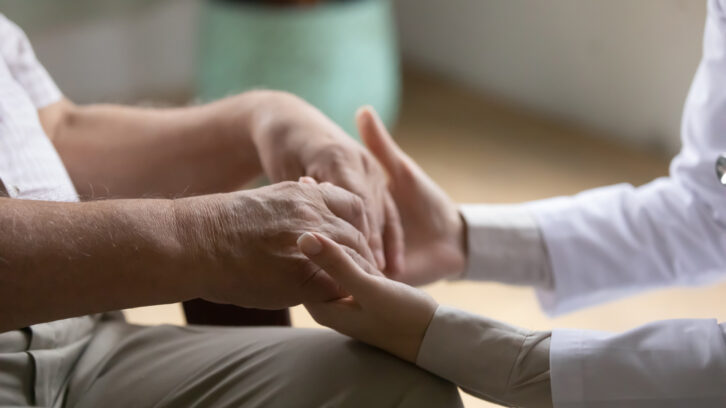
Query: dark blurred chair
x=201 y=312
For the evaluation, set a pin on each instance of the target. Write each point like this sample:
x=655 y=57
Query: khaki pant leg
x=16 y=370
x=169 y=366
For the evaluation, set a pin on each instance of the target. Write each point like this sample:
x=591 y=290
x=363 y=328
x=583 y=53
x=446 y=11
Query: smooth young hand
x=379 y=311
x=433 y=229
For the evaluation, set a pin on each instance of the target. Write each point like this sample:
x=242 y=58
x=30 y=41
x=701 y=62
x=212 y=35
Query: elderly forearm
x=122 y=151
x=59 y=260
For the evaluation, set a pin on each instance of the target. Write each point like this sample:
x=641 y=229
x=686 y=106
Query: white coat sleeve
x=667 y=364
x=610 y=242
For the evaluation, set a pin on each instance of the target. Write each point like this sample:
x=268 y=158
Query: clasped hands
x=339 y=231
x=381 y=309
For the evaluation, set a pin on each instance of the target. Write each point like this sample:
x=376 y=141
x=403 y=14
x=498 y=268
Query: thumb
x=378 y=140
x=333 y=259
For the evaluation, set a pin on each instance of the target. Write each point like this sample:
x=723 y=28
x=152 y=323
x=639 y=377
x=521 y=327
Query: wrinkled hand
x=434 y=231
x=242 y=246
x=294 y=139
x=381 y=312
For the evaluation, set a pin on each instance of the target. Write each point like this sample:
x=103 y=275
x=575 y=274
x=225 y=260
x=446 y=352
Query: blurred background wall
x=113 y=50
x=620 y=66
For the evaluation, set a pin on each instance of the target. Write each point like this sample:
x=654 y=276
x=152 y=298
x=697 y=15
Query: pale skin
x=379 y=311
x=70 y=259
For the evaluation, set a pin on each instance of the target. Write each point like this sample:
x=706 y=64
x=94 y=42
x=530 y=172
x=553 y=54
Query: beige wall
x=622 y=66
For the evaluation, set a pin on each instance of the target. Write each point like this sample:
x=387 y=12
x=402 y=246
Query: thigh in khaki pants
x=168 y=366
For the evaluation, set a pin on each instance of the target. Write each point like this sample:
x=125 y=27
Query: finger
x=345 y=234
x=372 y=206
x=347 y=206
x=307 y=180
x=333 y=259
x=393 y=238
x=378 y=140
x=376 y=238
x=365 y=265
x=319 y=286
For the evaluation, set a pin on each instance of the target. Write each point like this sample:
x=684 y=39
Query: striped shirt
x=30 y=168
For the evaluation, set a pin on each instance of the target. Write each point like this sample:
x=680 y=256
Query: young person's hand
x=434 y=231
x=379 y=311
x=293 y=139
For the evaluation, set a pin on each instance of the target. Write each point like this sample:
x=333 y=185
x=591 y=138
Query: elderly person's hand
x=379 y=311
x=294 y=139
x=241 y=247
x=435 y=232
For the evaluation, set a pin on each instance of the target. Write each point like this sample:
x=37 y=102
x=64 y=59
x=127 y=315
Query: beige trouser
x=168 y=366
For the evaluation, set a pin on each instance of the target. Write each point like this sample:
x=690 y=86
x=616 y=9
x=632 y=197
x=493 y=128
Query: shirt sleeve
x=24 y=67
x=494 y=361
x=504 y=244
x=667 y=364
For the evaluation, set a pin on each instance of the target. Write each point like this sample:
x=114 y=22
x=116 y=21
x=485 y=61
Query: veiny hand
x=381 y=312
x=294 y=139
x=434 y=231
x=242 y=246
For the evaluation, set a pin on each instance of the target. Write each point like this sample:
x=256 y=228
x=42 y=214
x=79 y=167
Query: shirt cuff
x=505 y=245
x=492 y=360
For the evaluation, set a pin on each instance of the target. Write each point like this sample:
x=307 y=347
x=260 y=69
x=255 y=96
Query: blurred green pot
x=336 y=55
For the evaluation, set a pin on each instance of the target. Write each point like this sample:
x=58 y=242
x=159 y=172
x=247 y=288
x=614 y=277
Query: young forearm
x=119 y=151
x=59 y=260
x=492 y=360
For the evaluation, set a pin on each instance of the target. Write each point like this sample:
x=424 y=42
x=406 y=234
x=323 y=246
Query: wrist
x=269 y=113
x=238 y=124
x=195 y=224
x=457 y=240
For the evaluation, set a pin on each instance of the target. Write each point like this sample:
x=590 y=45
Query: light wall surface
x=620 y=66
x=113 y=50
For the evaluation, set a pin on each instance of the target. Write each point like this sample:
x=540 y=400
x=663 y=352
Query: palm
x=433 y=229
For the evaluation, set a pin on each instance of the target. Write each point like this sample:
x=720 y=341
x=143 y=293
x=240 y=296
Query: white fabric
x=609 y=242
x=505 y=245
x=29 y=165
x=668 y=364
x=613 y=241
x=30 y=168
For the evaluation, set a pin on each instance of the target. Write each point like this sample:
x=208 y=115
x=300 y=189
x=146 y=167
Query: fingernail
x=309 y=244
x=307 y=180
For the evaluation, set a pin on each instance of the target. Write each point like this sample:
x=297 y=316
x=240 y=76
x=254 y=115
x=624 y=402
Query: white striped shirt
x=30 y=168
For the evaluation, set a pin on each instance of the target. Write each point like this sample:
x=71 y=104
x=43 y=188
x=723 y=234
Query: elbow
x=57 y=118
